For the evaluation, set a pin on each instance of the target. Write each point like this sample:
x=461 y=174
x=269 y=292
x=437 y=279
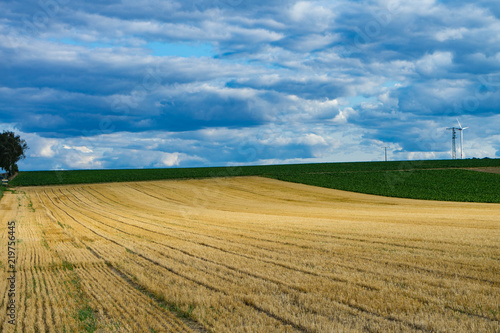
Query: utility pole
x=385 y=149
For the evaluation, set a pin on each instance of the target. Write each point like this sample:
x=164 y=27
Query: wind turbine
x=453 y=137
x=461 y=129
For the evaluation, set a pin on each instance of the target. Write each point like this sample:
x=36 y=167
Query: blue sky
x=126 y=84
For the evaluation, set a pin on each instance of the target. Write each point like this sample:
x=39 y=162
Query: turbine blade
x=459 y=123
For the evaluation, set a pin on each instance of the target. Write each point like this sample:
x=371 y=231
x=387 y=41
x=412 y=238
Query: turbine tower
x=453 y=146
x=461 y=129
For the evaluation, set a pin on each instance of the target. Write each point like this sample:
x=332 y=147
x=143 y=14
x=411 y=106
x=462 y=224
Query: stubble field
x=247 y=254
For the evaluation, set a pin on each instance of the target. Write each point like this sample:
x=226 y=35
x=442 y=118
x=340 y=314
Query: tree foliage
x=12 y=149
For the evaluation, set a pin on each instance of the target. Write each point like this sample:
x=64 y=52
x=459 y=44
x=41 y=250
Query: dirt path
x=489 y=169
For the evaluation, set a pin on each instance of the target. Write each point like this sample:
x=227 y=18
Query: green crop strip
x=430 y=179
x=445 y=185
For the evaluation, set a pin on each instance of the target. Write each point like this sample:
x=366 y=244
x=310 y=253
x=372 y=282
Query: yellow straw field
x=246 y=254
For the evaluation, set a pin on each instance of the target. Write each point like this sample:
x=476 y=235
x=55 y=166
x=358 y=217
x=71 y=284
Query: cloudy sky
x=171 y=83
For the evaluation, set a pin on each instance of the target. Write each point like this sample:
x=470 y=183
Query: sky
x=166 y=83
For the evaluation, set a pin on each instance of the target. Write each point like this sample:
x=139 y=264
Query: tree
x=12 y=149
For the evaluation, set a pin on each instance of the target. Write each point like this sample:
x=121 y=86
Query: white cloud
x=170 y=159
x=435 y=63
x=343 y=116
x=423 y=7
x=311 y=15
x=312 y=139
x=312 y=42
x=450 y=34
x=40 y=147
x=78 y=161
x=82 y=149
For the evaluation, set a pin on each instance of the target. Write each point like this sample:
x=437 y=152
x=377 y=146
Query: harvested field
x=248 y=254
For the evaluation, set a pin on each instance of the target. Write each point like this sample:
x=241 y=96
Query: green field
x=446 y=185
x=433 y=180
